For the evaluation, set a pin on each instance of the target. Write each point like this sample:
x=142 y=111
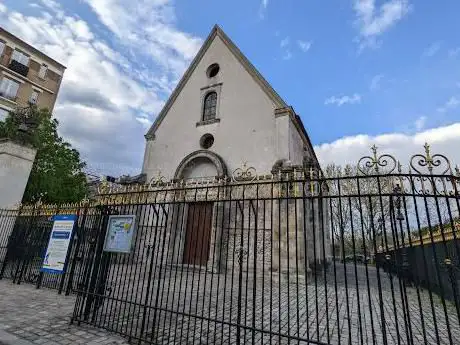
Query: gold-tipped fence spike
x=437 y=164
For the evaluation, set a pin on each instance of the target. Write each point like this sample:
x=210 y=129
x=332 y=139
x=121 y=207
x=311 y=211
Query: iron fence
x=296 y=257
x=24 y=236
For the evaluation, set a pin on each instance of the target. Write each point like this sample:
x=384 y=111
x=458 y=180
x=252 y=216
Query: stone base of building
x=15 y=165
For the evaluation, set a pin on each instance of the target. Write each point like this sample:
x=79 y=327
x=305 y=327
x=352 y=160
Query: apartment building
x=27 y=76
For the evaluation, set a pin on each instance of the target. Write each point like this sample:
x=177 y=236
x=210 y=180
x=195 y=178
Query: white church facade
x=223 y=97
x=223 y=114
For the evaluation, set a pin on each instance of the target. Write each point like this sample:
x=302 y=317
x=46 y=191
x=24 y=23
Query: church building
x=224 y=115
x=221 y=114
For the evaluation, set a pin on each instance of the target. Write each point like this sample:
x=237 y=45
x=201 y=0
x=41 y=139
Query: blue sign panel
x=58 y=244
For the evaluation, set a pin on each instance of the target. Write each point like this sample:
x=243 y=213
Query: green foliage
x=56 y=175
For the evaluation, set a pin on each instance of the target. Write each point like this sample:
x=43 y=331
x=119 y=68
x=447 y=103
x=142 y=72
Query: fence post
x=40 y=275
x=79 y=232
x=25 y=258
x=164 y=221
x=241 y=254
x=68 y=257
x=94 y=272
x=8 y=241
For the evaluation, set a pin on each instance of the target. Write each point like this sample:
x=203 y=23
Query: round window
x=213 y=70
x=206 y=141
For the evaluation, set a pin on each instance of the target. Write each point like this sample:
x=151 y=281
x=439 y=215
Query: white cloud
x=107 y=100
x=373 y=22
x=284 y=42
x=432 y=49
x=420 y=123
x=349 y=150
x=454 y=52
x=263 y=8
x=287 y=55
x=452 y=103
x=54 y=6
x=339 y=101
x=375 y=82
x=145 y=122
x=147 y=28
x=304 y=45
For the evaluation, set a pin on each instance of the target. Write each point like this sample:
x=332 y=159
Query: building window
x=2 y=46
x=20 y=57
x=34 y=97
x=9 y=88
x=206 y=141
x=3 y=114
x=213 y=70
x=210 y=106
x=42 y=71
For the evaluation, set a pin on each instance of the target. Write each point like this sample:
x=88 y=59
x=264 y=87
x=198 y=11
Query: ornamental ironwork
x=374 y=164
x=430 y=162
x=244 y=173
x=386 y=164
x=157 y=180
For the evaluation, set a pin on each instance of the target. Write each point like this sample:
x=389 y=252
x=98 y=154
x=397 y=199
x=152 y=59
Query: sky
x=358 y=72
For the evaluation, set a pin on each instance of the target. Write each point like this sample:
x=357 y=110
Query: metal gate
x=25 y=237
x=365 y=254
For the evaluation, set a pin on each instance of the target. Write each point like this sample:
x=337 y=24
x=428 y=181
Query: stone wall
x=271 y=226
x=266 y=234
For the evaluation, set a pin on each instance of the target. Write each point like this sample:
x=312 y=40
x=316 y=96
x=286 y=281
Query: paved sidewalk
x=30 y=316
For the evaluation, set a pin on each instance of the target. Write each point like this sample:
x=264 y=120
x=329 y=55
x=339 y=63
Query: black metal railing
x=297 y=257
x=18 y=67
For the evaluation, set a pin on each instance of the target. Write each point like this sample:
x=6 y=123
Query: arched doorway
x=201 y=164
x=198 y=240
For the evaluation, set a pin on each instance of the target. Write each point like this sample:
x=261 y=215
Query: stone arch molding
x=213 y=157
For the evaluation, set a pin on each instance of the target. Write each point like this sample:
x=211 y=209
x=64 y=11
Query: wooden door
x=198 y=233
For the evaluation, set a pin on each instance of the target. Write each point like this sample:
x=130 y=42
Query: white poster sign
x=120 y=231
x=58 y=244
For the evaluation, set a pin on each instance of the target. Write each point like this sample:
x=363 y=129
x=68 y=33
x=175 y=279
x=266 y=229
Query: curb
x=10 y=339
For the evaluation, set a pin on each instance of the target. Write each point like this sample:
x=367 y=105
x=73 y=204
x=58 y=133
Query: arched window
x=209 y=109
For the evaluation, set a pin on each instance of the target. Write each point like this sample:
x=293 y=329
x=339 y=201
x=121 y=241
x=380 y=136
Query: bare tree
x=360 y=209
x=340 y=211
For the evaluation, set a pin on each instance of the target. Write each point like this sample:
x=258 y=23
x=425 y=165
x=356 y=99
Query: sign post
x=120 y=231
x=58 y=244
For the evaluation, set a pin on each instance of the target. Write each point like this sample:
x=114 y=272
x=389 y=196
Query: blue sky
x=357 y=71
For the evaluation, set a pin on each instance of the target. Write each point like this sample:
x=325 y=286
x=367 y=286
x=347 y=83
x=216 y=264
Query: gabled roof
x=216 y=31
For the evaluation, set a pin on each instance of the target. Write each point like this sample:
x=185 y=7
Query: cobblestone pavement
x=42 y=317
x=352 y=306
x=196 y=307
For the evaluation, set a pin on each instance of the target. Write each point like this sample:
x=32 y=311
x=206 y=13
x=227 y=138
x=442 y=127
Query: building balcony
x=19 y=68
